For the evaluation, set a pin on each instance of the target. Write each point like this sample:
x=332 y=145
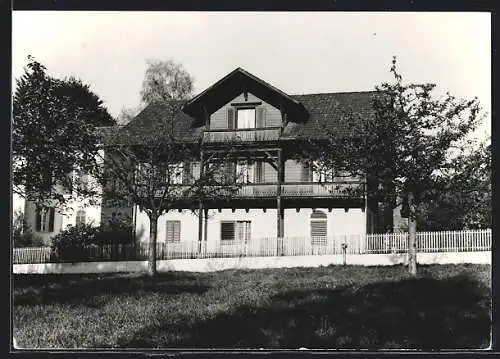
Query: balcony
x=247 y=135
x=288 y=190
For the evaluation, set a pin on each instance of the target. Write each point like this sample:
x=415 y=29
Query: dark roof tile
x=326 y=110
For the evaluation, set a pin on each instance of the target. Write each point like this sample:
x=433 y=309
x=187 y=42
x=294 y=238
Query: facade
x=280 y=196
x=48 y=222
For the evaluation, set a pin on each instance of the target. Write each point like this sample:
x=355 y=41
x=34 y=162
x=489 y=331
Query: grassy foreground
x=350 y=307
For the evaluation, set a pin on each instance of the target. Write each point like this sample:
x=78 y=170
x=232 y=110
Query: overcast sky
x=298 y=52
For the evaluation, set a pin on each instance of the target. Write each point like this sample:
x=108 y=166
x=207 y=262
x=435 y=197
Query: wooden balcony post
x=200 y=207
x=206 y=229
x=280 y=223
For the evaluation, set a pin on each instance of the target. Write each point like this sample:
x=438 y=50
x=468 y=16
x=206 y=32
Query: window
x=80 y=217
x=174 y=173
x=173 y=231
x=245 y=172
x=45 y=220
x=318 y=228
x=322 y=174
x=245 y=118
x=235 y=231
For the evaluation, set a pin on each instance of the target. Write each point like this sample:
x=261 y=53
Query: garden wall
x=217 y=264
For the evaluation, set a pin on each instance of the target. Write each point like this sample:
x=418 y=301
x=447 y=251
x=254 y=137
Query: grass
x=446 y=307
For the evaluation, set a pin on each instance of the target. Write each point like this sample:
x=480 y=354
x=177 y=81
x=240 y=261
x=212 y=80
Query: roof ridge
x=334 y=93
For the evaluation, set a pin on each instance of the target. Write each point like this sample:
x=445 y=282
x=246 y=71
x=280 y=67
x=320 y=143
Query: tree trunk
x=412 y=235
x=153 y=226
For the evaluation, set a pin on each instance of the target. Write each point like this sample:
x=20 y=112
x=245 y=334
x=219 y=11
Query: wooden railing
x=324 y=190
x=292 y=190
x=242 y=135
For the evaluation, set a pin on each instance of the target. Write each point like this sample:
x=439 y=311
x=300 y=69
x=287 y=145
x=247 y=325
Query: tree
x=149 y=171
x=145 y=170
x=165 y=80
x=464 y=198
x=53 y=134
x=127 y=114
x=403 y=148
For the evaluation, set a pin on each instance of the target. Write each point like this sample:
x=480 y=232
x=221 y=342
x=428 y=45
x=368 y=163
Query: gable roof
x=235 y=83
x=308 y=115
x=330 y=111
x=326 y=110
x=160 y=121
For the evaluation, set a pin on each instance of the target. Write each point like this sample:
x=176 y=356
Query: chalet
x=279 y=196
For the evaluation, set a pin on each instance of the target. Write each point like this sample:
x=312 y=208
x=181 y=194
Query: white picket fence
x=427 y=242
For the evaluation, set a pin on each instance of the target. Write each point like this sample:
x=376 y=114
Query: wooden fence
x=427 y=242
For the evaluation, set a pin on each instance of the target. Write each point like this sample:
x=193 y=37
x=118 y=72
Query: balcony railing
x=242 y=135
x=288 y=190
x=323 y=190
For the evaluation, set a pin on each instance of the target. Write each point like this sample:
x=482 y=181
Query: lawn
x=446 y=307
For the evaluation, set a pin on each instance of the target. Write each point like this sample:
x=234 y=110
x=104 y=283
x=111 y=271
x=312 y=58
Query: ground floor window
x=45 y=220
x=173 y=231
x=318 y=228
x=235 y=231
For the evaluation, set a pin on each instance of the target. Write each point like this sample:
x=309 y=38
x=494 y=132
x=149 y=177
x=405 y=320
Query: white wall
x=217 y=264
x=297 y=224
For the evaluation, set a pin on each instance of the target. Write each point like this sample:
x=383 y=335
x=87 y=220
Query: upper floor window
x=245 y=118
x=245 y=172
x=175 y=172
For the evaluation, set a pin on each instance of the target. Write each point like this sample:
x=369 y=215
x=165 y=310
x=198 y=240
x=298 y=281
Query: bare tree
x=160 y=170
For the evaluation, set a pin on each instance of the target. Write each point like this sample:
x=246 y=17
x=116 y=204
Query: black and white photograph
x=244 y=180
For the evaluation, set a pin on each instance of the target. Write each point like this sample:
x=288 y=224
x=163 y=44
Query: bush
x=85 y=242
x=22 y=235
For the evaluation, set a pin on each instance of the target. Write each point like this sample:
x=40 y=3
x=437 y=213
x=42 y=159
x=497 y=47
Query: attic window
x=245 y=118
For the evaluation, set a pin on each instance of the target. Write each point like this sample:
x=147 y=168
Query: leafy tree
x=464 y=198
x=54 y=134
x=403 y=149
x=165 y=80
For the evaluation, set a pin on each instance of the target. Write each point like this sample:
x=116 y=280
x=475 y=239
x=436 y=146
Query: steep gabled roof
x=235 y=83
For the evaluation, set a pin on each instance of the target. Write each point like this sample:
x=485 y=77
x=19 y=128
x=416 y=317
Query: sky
x=297 y=52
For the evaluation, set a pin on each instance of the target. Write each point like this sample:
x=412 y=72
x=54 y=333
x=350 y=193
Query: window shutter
x=186 y=178
x=38 y=225
x=318 y=231
x=173 y=231
x=51 y=220
x=261 y=120
x=170 y=231
x=305 y=175
x=227 y=231
x=230 y=174
x=230 y=118
x=259 y=172
x=177 y=231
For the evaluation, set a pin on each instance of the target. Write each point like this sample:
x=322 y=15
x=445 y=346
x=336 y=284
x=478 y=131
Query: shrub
x=86 y=242
x=22 y=235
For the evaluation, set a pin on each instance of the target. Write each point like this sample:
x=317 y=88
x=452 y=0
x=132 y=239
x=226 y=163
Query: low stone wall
x=218 y=264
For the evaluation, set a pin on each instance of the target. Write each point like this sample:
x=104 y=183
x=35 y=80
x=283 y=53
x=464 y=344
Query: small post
x=344 y=253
